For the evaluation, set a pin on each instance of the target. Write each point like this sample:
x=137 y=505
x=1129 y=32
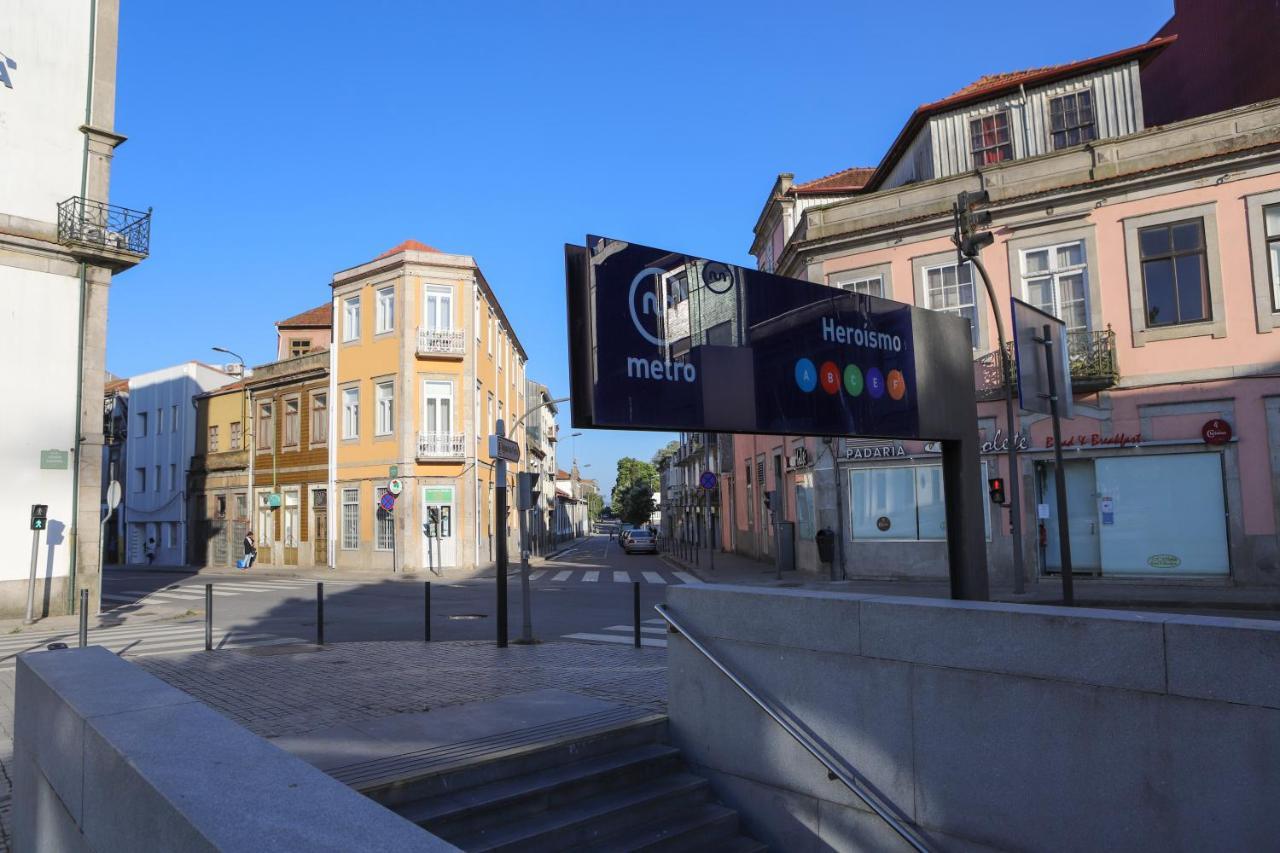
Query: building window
x=384 y=396
x=721 y=334
x=173 y=477
x=1071 y=119
x=173 y=421
x=677 y=289
x=385 y=314
x=139 y=479
x=949 y=289
x=265 y=438
x=351 y=318
x=437 y=408
x=350 y=519
x=767 y=261
x=292 y=409
x=386 y=532
x=902 y=503
x=237 y=435
x=350 y=412
x=501 y=416
x=142 y=424
x=990 y=138
x=299 y=346
x=242 y=506
x=475 y=313
x=219 y=506
x=319 y=418
x=1271 y=217
x=159 y=421
x=155 y=484
x=1054 y=279
x=869 y=285
x=489 y=421
x=213 y=439
x=1174 y=273
x=491 y=335
x=437 y=309
x=166 y=534
x=290 y=519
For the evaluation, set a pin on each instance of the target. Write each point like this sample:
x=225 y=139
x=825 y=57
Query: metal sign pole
x=500 y=520
x=31 y=581
x=1059 y=481
x=526 y=609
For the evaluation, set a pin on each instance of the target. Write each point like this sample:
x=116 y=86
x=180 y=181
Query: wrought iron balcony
x=442 y=445
x=1090 y=355
x=106 y=233
x=448 y=342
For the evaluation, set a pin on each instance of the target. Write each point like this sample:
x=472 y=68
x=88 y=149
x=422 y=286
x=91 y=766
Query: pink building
x=1158 y=247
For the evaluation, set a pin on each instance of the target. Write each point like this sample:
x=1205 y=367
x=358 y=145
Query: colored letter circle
x=829 y=376
x=875 y=382
x=853 y=380
x=896 y=384
x=806 y=375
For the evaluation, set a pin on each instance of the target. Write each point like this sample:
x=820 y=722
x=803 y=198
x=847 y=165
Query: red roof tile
x=116 y=385
x=854 y=178
x=321 y=315
x=408 y=246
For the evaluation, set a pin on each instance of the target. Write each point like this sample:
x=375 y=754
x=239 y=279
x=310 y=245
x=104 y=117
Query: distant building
x=540 y=433
x=310 y=331
x=219 y=479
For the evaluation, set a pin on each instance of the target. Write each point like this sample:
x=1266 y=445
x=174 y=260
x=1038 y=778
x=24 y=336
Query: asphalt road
x=586 y=590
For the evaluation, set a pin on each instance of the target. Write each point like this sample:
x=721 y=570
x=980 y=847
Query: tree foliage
x=595 y=505
x=636 y=503
x=663 y=452
x=630 y=470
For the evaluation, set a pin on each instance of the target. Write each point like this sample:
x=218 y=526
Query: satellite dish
x=113 y=495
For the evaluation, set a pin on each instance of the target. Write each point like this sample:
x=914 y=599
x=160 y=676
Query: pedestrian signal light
x=995 y=486
x=39 y=516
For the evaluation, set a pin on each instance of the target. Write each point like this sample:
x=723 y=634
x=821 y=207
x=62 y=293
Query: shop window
x=902 y=503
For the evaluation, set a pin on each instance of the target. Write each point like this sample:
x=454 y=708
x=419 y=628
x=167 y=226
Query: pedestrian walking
x=250 y=551
x=150 y=551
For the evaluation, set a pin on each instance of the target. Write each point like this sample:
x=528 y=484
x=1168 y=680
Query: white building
x=60 y=242
x=162 y=440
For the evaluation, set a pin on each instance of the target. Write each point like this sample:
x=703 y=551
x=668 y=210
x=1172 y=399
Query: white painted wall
x=42 y=109
x=38 y=353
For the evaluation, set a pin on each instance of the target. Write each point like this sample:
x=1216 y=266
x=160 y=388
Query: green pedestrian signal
x=39 y=516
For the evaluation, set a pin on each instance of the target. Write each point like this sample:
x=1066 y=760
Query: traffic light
x=432 y=524
x=39 y=516
x=995 y=486
x=527 y=494
x=970 y=238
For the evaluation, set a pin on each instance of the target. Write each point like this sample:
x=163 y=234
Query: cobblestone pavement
x=293 y=693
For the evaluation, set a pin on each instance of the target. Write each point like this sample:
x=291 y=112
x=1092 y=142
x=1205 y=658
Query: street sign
x=707 y=480
x=1216 y=431
x=394 y=472
x=396 y=486
x=113 y=495
x=1033 y=378
x=54 y=459
x=39 y=516
x=387 y=502
x=504 y=448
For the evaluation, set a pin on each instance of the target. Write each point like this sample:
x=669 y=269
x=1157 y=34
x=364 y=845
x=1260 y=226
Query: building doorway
x=320 y=525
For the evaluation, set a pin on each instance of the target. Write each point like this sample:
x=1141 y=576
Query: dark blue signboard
x=680 y=342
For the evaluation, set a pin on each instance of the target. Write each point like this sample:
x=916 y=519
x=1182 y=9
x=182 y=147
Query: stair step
x=466 y=772
x=710 y=826
x=509 y=799
x=590 y=820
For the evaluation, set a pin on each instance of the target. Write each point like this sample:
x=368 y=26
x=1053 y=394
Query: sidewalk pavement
x=1209 y=598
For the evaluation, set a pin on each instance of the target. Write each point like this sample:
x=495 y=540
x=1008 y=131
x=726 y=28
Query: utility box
x=785 y=538
x=826 y=540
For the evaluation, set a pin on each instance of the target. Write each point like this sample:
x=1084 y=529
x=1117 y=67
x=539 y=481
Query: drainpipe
x=72 y=596
x=837 y=569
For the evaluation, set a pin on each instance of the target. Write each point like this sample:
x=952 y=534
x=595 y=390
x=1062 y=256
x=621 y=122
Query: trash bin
x=826 y=540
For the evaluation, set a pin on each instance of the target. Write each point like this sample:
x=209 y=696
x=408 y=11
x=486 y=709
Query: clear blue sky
x=280 y=142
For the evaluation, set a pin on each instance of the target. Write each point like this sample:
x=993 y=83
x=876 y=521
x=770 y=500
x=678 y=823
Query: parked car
x=624 y=533
x=640 y=542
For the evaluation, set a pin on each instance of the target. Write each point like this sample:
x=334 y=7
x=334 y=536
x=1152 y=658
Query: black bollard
x=84 y=618
x=208 y=617
x=635 y=610
x=319 y=614
x=426 y=612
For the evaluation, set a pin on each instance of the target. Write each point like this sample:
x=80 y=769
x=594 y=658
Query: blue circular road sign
x=387 y=502
x=707 y=480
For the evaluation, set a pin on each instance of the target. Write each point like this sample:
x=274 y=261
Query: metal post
x=500 y=527
x=1059 y=481
x=426 y=612
x=208 y=617
x=635 y=610
x=711 y=545
x=84 y=618
x=31 y=582
x=319 y=613
x=1011 y=422
x=526 y=607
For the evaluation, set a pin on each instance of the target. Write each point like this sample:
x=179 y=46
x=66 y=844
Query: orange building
x=424 y=361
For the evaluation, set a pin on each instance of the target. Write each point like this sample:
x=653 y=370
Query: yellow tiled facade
x=423 y=362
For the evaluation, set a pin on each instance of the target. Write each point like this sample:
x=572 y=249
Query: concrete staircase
x=617 y=789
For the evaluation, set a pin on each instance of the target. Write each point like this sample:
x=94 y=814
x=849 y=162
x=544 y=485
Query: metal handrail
x=834 y=772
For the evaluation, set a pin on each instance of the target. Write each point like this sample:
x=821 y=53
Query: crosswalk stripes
x=143 y=640
x=562 y=576
x=591 y=577
x=624 y=635
x=687 y=578
x=657 y=578
x=654 y=577
x=195 y=591
x=622 y=577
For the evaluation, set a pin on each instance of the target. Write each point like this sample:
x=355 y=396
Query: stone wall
x=990 y=726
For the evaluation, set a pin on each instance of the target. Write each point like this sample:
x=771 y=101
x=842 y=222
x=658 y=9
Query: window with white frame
x=437 y=308
x=677 y=289
x=265 y=438
x=319 y=417
x=1271 y=220
x=213 y=438
x=491 y=335
x=350 y=412
x=475 y=313
x=949 y=288
x=1055 y=280
x=350 y=519
x=384 y=396
x=489 y=422
x=437 y=408
x=385 y=529
x=990 y=140
x=292 y=426
x=237 y=435
x=351 y=318
x=871 y=285
x=1071 y=119
x=385 y=310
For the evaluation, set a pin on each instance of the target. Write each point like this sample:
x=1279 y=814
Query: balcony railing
x=106 y=228
x=441 y=445
x=1091 y=356
x=441 y=342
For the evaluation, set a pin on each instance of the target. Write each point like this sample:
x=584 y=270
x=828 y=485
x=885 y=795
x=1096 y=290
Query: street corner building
x=61 y=242
x=423 y=365
x=1157 y=246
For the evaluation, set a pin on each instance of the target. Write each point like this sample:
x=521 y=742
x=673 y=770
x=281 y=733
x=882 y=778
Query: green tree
x=595 y=505
x=630 y=470
x=663 y=452
x=637 y=503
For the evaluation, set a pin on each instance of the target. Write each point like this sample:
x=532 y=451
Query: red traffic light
x=995 y=486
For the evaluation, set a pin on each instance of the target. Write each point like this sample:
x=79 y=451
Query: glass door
x=439 y=545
